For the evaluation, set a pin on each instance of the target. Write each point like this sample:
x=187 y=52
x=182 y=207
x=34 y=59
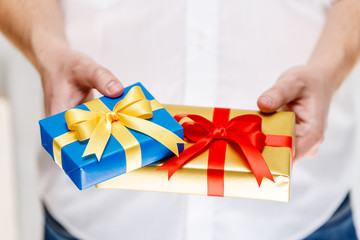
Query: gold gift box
x=239 y=181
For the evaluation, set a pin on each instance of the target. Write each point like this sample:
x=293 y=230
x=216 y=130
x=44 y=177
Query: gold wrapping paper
x=239 y=181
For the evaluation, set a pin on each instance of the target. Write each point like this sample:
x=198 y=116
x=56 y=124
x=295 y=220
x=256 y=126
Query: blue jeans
x=339 y=226
x=54 y=230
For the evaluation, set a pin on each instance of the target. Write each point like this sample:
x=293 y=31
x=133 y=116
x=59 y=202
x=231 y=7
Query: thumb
x=283 y=92
x=95 y=76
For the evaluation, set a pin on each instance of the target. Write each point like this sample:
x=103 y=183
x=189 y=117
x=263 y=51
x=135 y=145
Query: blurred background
x=21 y=108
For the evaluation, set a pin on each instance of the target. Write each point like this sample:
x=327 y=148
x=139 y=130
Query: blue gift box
x=88 y=171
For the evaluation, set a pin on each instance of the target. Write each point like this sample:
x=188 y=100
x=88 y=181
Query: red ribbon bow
x=244 y=131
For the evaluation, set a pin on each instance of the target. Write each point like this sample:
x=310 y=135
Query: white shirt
x=209 y=53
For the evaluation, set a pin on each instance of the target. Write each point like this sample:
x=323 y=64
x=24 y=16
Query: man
x=213 y=53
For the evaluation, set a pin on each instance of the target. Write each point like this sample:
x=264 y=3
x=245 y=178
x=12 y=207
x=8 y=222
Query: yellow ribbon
x=100 y=122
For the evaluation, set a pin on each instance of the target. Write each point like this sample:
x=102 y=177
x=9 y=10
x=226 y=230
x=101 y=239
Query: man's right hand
x=69 y=76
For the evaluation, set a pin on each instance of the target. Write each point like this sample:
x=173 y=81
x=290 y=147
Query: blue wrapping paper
x=88 y=171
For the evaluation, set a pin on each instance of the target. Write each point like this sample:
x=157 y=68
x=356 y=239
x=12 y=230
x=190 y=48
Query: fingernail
x=113 y=87
x=267 y=101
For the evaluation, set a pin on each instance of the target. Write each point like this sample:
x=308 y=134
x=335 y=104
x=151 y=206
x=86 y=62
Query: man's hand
x=68 y=78
x=306 y=91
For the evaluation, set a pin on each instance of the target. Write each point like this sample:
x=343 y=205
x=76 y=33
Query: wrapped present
x=107 y=137
x=232 y=153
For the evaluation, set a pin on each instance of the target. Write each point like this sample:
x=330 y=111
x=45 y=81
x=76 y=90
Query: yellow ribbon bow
x=131 y=112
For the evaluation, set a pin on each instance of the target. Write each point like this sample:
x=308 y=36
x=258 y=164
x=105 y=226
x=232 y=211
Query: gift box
x=107 y=137
x=230 y=153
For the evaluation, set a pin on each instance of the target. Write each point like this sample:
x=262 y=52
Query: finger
x=282 y=93
x=56 y=106
x=95 y=76
x=308 y=139
x=306 y=148
x=61 y=101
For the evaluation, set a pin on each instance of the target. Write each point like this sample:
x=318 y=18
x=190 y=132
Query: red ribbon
x=243 y=131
